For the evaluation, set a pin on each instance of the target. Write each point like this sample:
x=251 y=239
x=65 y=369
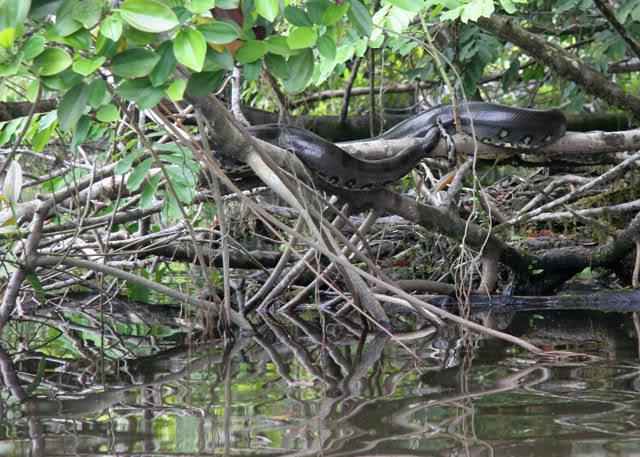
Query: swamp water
x=103 y=387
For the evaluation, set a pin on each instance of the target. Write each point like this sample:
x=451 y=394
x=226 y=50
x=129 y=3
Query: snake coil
x=500 y=125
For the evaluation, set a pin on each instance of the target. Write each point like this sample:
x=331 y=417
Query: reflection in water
x=306 y=389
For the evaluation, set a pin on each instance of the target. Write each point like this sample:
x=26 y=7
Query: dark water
x=105 y=388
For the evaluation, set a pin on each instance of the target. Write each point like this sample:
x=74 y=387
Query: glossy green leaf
x=277 y=66
x=302 y=37
x=51 y=61
x=87 y=66
x=251 y=51
x=334 y=13
x=176 y=89
x=190 y=48
x=33 y=47
x=359 y=16
x=111 y=28
x=64 y=80
x=134 y=63
x=7 y=37
x=218 y=60
x=72 y=106
x=148 y=15
x=252 y=71
x=268 y=9
x=13 y=13
x=98 y=94
x=278 y=45
x=219 y=32
x=81 y=131
x=327 y=47
x=200 y=84
x=108 y=113
x=166 y=66
x=200 y=6
x=142 y=92
x=297 y=16
x=12 y=66
x=88 y=12
x=301 y=70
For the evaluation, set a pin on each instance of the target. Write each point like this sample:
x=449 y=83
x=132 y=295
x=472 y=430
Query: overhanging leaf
x=72 y=105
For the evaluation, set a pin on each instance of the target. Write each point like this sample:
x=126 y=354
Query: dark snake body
x=500 y=125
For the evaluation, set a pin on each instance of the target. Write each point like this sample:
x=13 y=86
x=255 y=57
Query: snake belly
x=500 y=125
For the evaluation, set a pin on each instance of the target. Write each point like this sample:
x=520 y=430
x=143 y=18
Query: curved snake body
x=499 y=125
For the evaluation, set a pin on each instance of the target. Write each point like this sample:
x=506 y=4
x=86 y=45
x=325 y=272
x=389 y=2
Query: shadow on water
x=77 y=383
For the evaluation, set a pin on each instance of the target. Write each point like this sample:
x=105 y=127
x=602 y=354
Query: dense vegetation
x=110 y=112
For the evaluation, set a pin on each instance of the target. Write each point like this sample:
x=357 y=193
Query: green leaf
x=202 y=83
x=124 y=164
x=148 y=15
x=64 y=80
x=32 y=90
x=200 y=6
x=33 y=280
x=72 y=106
x=13 y=13
x=106 y=47
x=33 y=47
x=88 y=12
x=111 y=28
x=166 y=66
x=146 y=196
x=98 y=94
x=359 y=15
x=138 y=175
x=7 y=37
x=218 y=60
x=142 y=92
x=108 y=113
x=67 y=25
x=41 y=137
x=327 y=47
x=87 y=66
x=477 y=9
x=11 y=67
x=219 y=32
x=251 y=71
x=176 y=89
x=190 y=48
x=412 y=6
x=251 y=51
x=81 y=131
x=277 y=66
x=278 y=45
x=301 y=70
x=334 y=13
x=268 y=9
x=302 y=37
x=510 y=75
x=134 y=63
x=51 y=61
x=297 y=17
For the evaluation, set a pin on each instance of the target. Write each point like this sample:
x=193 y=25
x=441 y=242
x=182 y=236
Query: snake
x=498 y=125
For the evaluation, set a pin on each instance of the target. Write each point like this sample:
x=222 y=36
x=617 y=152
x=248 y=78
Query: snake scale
x=500 y=125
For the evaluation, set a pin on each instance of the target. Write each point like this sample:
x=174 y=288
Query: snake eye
x=351 y=183
x=332 y=179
